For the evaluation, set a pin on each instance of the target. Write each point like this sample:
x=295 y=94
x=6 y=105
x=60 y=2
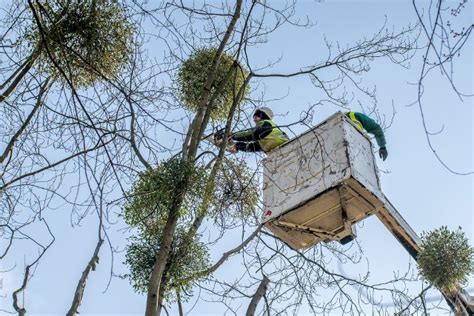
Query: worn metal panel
x=294 y=238
x=305 y=167
x=320 y=183
x=397 y=225
x=328 y=216
x=361 y=158
x=322 y=213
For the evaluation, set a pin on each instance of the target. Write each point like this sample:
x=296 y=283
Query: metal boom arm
x=461 y=303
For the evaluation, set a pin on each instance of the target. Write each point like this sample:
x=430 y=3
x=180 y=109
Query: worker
x=265 y=136
x=362 y=121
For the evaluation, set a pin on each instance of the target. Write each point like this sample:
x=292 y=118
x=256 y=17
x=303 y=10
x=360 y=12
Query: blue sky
x=424 y=192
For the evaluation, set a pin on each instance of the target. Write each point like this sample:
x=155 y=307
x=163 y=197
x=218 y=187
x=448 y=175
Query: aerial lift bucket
x=319 y=184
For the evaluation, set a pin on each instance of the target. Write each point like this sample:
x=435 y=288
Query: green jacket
x=266 y=133
x=365 y=122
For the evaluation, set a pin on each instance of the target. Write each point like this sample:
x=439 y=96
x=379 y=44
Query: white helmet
x=267 y=111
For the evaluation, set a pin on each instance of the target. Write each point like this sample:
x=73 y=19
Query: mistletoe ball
x=229 y=79
x=446 y=258
x=83 y=40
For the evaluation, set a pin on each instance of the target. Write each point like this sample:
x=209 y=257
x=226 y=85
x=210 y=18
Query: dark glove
x=383 y=153
x=219 y=135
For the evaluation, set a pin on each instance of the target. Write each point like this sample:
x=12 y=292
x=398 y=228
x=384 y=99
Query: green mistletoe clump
x=154 y=197
x=230 y=77
x=86 y=39
x=446 y=258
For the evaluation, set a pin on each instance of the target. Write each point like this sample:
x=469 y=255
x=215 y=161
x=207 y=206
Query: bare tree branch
x=39 y=103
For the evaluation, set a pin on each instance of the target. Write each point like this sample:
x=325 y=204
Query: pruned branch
x=81 y=285
x=262 y=288
x=21 y=310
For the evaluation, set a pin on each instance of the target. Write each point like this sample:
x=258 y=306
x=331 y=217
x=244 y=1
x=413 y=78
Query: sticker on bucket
x=267 y=213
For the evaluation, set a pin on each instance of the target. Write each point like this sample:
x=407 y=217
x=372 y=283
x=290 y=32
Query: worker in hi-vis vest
x=265 y=136
x=362 y=121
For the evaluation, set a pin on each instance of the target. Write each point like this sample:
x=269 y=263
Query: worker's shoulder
x=360 y=115
x=265 y=123
x=363 y=118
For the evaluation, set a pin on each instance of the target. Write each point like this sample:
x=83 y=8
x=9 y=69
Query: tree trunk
x=194 y=137
x=164 y=283
x=154 y=285
x=189 y=152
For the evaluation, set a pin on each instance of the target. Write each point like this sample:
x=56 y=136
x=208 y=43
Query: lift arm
x=461 y=303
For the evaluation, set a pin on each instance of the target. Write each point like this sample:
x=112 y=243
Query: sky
x=423 y=191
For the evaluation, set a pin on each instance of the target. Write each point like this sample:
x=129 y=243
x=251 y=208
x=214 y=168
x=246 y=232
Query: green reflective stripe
x=356 y=121
x=274 y=139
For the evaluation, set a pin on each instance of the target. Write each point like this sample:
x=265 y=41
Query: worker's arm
x=246 y=146
x=372 y=128
x=254 y=134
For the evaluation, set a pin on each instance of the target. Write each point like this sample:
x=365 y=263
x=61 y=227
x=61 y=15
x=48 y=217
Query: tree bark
x=81 y=285
x=164 y=283
x=21 y=310
x=262 y=288
x=189 y=152
x=24 y=70
x=180 y=305
x=154 y=285
x=194 y=137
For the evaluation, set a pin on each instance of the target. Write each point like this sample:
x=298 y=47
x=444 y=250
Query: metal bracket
x=342 y=197
x=318 y=232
